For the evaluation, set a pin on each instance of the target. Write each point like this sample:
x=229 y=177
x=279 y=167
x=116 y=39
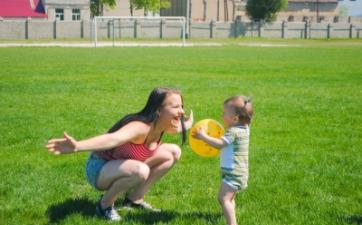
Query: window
x=321 y=19
x=336 y=19
x=75 y=14
x=59 y=14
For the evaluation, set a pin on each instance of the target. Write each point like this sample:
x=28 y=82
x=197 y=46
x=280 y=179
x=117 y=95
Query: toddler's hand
x=199 y=133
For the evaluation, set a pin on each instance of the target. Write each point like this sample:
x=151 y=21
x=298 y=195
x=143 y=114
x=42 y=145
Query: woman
x=131 y=157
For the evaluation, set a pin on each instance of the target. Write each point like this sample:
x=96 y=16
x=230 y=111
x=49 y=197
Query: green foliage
x=97 y=6
x=151 y=5
x=305 y=148
x=147 y=5
x=342 y=10
x=264 y=9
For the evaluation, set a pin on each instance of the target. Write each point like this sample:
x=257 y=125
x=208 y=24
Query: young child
x=237 y=115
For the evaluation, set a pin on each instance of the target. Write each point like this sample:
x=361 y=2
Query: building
x=62 y=10
x=229 y=10
x=200 y=10
x=311 y=10
x=67 y=10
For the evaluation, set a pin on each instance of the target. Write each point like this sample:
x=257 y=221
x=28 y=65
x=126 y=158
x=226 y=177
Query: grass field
x=306 y=137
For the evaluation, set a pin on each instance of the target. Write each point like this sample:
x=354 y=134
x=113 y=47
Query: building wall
x=311 y=6
x=229 y=10
x=207 y=10
x=299 y=11
x=178 y=8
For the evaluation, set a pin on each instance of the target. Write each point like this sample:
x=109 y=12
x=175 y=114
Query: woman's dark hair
x=149 y=113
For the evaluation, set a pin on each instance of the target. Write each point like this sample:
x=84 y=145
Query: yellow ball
x=213 y=129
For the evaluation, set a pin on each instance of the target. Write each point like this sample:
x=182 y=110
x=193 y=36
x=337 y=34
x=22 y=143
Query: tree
x=342 y=10
x=97 y=6
x=147 y=5
x=264 y=9
x=151 y=5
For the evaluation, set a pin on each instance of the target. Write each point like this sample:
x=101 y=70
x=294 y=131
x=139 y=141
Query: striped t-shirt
x=234 y=156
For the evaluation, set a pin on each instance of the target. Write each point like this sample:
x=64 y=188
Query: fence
x=32 y=29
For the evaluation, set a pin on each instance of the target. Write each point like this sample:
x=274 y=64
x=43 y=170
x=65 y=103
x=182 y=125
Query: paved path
x=178 y=44
x=135 y=44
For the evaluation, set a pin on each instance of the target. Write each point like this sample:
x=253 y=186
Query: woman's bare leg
x=159 y=164
x=118 y=176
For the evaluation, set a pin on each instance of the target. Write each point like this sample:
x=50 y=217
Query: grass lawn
x=306 y=137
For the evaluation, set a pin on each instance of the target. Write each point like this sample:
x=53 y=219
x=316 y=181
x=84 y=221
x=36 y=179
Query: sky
x=353 y=8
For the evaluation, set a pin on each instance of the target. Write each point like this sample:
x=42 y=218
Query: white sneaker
x=109 y=213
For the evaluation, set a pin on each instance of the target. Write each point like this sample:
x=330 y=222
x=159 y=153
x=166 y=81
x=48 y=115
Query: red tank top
x=129 y=150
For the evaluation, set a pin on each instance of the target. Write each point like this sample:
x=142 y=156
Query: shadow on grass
x=353 y=219
x=167 y=216
x=60 y=211
x=86 y=208
x=210 y=218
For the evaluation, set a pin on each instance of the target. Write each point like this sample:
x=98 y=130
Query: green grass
x=306 y=137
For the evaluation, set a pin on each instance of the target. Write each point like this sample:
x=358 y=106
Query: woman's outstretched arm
x=68 y=144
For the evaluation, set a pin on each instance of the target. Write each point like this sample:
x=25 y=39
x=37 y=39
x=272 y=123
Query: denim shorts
x=93 y=168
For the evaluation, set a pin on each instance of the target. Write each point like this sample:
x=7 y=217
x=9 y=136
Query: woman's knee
x=141 y=172
x=176 y=152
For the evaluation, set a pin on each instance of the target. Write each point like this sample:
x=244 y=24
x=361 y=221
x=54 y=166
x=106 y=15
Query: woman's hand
x=189 y=120
x=177 y=126
x=62 y=146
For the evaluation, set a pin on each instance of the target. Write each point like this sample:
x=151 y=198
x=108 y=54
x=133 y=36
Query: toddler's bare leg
x=227 y=201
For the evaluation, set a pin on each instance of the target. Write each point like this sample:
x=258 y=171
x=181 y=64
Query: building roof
x=22 y=8
x=319 y=1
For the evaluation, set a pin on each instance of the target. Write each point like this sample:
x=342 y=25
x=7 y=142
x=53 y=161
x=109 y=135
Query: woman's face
x=171 y=111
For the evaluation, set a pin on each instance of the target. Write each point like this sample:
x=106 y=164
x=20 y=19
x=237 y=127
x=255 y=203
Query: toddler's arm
x=214 y=142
